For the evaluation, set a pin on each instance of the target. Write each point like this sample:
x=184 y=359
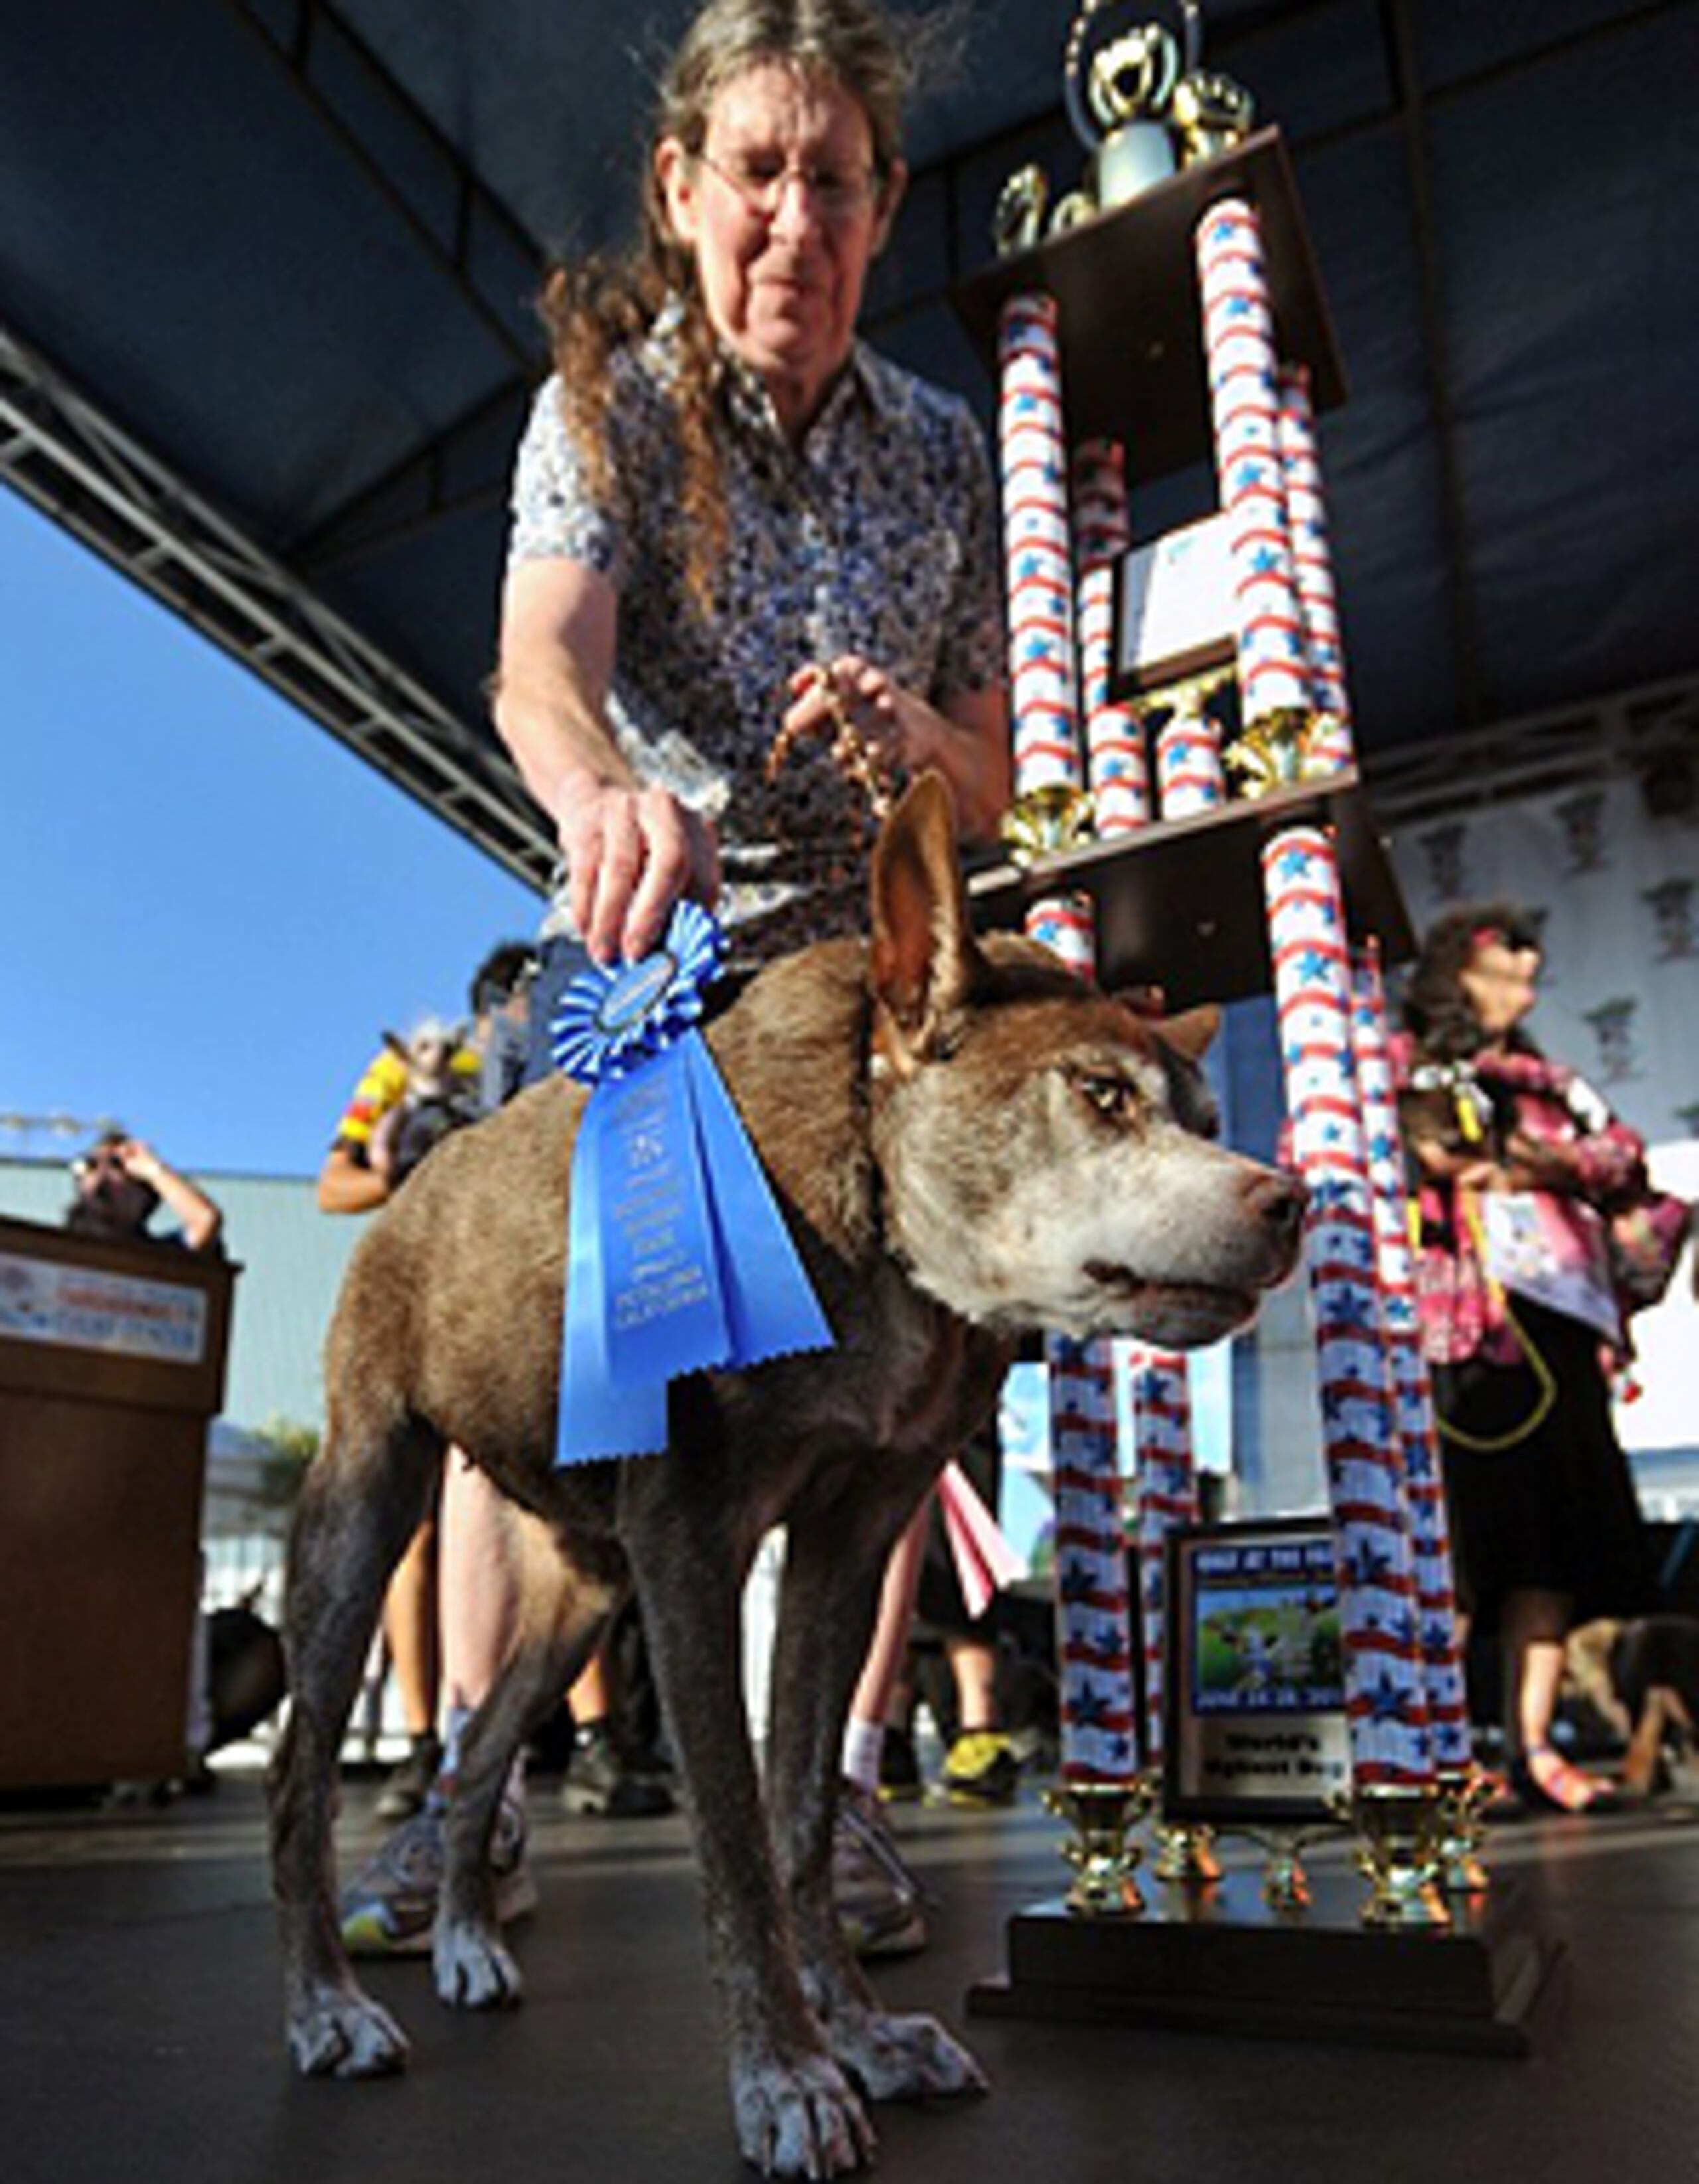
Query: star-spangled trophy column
x=1461 y=1787
x=1394 y=1796
x=1099 y=1791
x=1167 y=1498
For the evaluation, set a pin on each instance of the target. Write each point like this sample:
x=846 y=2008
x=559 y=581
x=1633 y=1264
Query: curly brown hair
x=601 y=305
x=1436 y=1009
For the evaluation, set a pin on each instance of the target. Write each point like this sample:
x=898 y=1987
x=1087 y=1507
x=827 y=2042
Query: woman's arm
x=631 y=851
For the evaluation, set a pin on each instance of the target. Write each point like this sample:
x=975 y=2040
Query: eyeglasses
x=838 y=198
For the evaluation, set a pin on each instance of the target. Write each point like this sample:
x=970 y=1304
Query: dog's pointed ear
x=1190 y=1035
x=924 y=961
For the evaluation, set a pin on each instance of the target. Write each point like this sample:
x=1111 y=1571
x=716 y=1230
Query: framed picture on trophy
x=1255 y=1728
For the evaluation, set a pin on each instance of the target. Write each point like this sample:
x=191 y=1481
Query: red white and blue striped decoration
x=1094 y=1630
x=1424 y=1497
x=1167 y=1491
x=1043 y=670
x=1386 y=1696
x=1331 y=745
x=1115 y=764
x=1239 y=345
x=1189 y=774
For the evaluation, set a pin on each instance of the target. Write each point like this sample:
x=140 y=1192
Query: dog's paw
x=342 y=2033
x=904 y=2059
x=474 y=1968
x=799 y=2119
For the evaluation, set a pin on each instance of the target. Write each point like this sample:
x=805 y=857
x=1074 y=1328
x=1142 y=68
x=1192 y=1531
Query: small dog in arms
x=968 y=1142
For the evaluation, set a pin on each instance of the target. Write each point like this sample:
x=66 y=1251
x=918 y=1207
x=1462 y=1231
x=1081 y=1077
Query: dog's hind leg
x=796 y=2113
x=827 y=1607
x=563 y=1611
x=362 y=1501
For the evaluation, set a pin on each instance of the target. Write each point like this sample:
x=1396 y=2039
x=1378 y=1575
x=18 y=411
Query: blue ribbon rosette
x=678 y=1258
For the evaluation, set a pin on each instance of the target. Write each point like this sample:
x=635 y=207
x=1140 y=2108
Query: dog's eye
x=1110 y=1096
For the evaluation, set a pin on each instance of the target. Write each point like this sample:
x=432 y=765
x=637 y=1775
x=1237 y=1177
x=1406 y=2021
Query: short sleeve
x=972 y=653
x=555 y=515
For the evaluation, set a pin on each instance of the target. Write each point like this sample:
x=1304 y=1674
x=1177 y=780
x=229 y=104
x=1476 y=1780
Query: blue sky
x=209 y=910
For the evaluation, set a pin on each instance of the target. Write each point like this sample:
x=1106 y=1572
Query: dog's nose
x=1278 y=1198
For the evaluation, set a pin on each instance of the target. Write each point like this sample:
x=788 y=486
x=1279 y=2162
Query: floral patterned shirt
x=877 y=535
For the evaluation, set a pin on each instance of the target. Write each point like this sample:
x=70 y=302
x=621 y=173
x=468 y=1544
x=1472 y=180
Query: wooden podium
x=112 y=1365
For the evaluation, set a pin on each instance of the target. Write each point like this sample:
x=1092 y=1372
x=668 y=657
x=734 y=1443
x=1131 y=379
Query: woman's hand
x=897 y=731
x=631 y=854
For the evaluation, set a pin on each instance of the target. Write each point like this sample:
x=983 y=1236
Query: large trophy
x=1141 y=105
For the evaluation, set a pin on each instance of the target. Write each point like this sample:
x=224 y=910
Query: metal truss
x=1651 y=731
x=79 y=467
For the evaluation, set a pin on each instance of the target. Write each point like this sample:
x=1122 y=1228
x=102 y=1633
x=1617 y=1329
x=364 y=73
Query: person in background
x=121 y=1182
x=1516 y=1160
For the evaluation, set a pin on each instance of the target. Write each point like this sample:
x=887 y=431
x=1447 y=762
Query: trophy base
x=1224 y=1960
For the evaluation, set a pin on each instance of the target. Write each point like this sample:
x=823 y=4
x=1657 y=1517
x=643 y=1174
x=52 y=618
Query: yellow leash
x=1545 y=1380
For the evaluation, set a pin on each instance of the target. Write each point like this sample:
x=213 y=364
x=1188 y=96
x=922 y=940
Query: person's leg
x=411 y=1638
x=477 y=1589
x=409 y=1631
x=603 y=1777
x=1534 y=1627
x=982 y=1766
x=973 y=1663
x=864 y=1732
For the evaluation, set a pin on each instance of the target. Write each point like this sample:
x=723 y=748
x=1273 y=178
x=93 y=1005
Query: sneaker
x=409 y=1783
x=879 y=1902
x=605 y=1783
x=390 y=1906
x=981 y=1768
x=900 y=1774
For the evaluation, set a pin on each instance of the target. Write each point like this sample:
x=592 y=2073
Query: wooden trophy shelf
x=1126 y=287
x=1180 y=905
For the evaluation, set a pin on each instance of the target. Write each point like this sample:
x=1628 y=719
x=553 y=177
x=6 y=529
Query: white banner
x=88 y=1308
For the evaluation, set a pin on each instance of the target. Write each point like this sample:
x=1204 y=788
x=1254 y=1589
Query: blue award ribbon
x=678 y=1258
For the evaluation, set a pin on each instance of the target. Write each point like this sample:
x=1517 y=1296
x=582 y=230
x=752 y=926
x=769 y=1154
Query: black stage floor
x=140 y=2034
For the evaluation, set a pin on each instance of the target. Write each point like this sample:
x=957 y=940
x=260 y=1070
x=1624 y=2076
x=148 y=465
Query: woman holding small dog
x=753 y=568
x=1516 y=1160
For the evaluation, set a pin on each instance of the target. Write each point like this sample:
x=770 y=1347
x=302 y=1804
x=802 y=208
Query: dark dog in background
x=1641 y=1677
x=968 y=1142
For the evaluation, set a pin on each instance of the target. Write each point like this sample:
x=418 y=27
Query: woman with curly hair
x=1518 y=1161
x=735 y=526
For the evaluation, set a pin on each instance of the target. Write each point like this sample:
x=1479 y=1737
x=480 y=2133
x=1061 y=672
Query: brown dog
x=968 y=1142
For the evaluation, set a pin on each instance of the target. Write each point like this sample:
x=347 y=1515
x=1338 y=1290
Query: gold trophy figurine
x=1210 y=114
x=1018 y=222
x=1117 y=84
x=1101 y=1815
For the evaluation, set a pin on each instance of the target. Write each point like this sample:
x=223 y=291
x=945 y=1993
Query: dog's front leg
x=830 y=1598
x=796 y=2114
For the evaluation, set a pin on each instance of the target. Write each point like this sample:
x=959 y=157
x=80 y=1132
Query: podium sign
x=112 y=1362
